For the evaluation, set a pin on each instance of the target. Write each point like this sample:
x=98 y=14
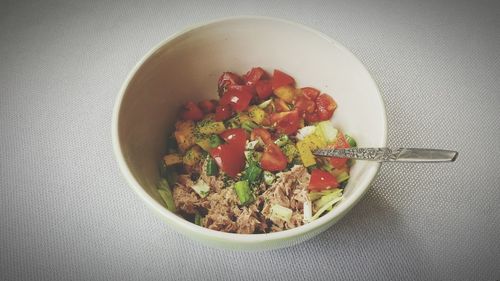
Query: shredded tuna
x=247 y=221
x=185 y=199
x=290 y=191
x=222 y=209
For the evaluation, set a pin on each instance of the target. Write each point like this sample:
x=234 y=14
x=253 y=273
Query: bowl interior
x=187 y=66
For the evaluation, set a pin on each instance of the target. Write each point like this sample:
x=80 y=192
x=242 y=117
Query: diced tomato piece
x=286 y=122
x=312 y=117
x=261 y=133
x=191 y=111
x=325 y=107
x=264 y=89
x=267 y=120
x=254 y=75
x=280 y=105
x=281 y=79
x=238 y=97
x=273 y=159
x=304 y=104
x=207 y=106
x=226 y=79
x=236 y=136
x=223 y=112
x=230 y=158
x=242 y=88
x=338 y=163
x=321 y=180
x=310 y=93
x=340 y=142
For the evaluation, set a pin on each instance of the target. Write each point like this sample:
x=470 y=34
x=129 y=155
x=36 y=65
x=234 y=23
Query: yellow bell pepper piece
x=306 y=153
x=285 y=93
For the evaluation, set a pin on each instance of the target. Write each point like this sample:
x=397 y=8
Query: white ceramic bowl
x=186 y=67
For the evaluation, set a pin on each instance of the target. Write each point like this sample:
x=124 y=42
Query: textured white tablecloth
x=66 y=212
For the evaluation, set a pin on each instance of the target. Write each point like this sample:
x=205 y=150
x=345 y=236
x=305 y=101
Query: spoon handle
x=391 y=154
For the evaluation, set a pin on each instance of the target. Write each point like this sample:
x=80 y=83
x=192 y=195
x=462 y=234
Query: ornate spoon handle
x=391 y=154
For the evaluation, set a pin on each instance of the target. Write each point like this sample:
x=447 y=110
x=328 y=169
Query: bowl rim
x=180 y=224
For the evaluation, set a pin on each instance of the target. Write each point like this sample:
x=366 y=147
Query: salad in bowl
x=243 y=163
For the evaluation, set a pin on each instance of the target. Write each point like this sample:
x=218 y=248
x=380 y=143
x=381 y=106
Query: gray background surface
x=66 y=212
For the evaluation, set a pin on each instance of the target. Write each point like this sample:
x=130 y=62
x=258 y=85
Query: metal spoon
x=385 y=154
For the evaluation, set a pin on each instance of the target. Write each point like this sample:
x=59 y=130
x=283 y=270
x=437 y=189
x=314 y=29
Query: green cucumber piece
x=201 y=188
x=244 y=193
x=280 y=212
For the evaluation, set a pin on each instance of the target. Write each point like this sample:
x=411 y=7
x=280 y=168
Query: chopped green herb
x=253 y=173
x=214 y=141
x=290 y=151
x=350 y=140
x=282 y=140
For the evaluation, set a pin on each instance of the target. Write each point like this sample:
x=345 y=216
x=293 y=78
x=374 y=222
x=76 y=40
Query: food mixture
x=244 y=163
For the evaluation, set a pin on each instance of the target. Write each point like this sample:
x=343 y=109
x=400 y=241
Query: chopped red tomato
x=226 y=79
x=191 y=111
x=286 y=122
x=338 y=163
x=241 y=88
x=230 y=158
x=273 y=159
x=304 y=104
x=340 y=142
x=321 y=180
x=280 y=105
x=310 y=93
x=207 y=106
x=261 y=133
x=264 y=89
x=281 y=79
x=235 y=136
x=223 y=112
x=325 y=106
x=312 y=117
x=254 y=75
x=267 y=120
x=238 y=97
